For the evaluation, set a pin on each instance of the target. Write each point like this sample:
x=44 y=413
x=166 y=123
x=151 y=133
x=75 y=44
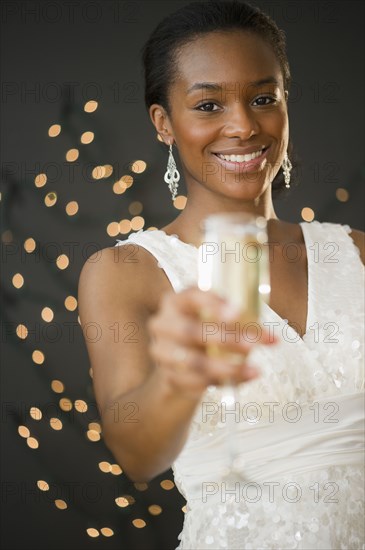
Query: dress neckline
x=303 y=226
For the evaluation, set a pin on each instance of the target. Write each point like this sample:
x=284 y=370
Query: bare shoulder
x=359 y=239
x=127 y=270
x=119 y=289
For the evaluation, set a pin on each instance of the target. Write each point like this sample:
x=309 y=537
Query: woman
x=217 y=84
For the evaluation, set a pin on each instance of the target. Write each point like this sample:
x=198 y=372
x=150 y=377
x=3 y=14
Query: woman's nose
x=241 y=122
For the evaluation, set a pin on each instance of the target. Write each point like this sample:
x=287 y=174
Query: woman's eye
x=263 y=98
x=209 y=104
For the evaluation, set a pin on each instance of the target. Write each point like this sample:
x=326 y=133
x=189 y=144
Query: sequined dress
x=299 y=426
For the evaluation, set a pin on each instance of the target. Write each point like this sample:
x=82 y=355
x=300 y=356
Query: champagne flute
x=233 y=262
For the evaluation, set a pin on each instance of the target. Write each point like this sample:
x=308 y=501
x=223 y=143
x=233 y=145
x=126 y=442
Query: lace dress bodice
x=299 y=427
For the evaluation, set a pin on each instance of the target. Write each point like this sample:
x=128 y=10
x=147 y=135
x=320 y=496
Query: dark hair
x=192 y=21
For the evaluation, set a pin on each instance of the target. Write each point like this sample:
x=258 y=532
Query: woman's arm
x=145 y=400
x=144 y=420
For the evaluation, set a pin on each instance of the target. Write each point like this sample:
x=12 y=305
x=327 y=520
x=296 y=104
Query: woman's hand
x=184 y=330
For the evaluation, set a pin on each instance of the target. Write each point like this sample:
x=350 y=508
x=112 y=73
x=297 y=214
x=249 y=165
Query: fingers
x=194 y=302
x=180 y=321
x=199 y=369
x=197 y=341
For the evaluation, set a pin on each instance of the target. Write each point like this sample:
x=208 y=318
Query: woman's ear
x=161 y=122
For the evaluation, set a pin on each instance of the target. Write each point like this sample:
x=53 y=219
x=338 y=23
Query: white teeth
x=241 y=158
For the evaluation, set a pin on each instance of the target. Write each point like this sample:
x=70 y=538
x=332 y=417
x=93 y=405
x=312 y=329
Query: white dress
x=299 y=426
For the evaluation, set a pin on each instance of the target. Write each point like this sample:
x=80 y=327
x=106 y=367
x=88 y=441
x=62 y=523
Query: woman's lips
x=249 y=166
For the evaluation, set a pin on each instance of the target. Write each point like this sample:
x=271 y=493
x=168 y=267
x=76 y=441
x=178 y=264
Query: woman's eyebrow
x=217 y=87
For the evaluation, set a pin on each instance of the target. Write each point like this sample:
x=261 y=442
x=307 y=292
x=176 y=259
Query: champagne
x=233 y=262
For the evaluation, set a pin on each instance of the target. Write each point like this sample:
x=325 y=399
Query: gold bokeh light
x=307 y=214
x=90 y=106
x=38 y=357
x=70 y=303
x=72 y=155
x=50 y=199
x=72 y=208
x=87 y=137
x=54 y=130
x=40 y=180
x=138 y=166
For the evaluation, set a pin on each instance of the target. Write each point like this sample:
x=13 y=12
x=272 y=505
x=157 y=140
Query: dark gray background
x=95 y=46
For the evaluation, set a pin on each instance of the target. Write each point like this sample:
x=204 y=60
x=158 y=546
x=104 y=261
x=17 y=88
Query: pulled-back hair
x=193 y=21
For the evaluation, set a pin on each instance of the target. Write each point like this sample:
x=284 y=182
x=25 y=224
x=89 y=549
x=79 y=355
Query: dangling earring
x=287 y=166
x=172 y=175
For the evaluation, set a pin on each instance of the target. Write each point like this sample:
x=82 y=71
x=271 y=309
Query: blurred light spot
x=342 y=194
x=92 y=532
x=180 y=202
x=98 y=172
x=90 y=106
x=38 y=357
x=87 y=137
x=93 y=435
x=50 y=199
x=42 y=485
x=65 y=404
x=95 y=426
x=138 y=166
x=60 y=504
x=108 y=170
x=70 y=303
x=141 y=486
x=124 y=226
x=116 y=470
x=21 y=331
x=35 y=413
x=167 y=484
x=23 y=431
x=72 y=208
x=119 y=187
x=29 y=245
x=57 y=386
x=54 y=130
x=81 y=405
x=72 y=155
x=112 y=229
x=55 y=423
x=137 y=223
x=135 y=208
x=307 y=214
x=184 y=509
x=47 y=314
x=91 y=372
x=122 y=502
x=104 y=467
x=62 y=261
x=7 y=236
x=128 y=180
x=159 y=138
x=18 y=280
x=139 y=523
x=107 y=532
x=155 y=509
x=40 y=180
x=32 y=442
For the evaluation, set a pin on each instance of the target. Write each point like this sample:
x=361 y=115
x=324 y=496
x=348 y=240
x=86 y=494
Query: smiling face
x=228 y=99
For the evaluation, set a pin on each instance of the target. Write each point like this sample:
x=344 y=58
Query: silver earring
x=172 y=175
x=287 y=166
